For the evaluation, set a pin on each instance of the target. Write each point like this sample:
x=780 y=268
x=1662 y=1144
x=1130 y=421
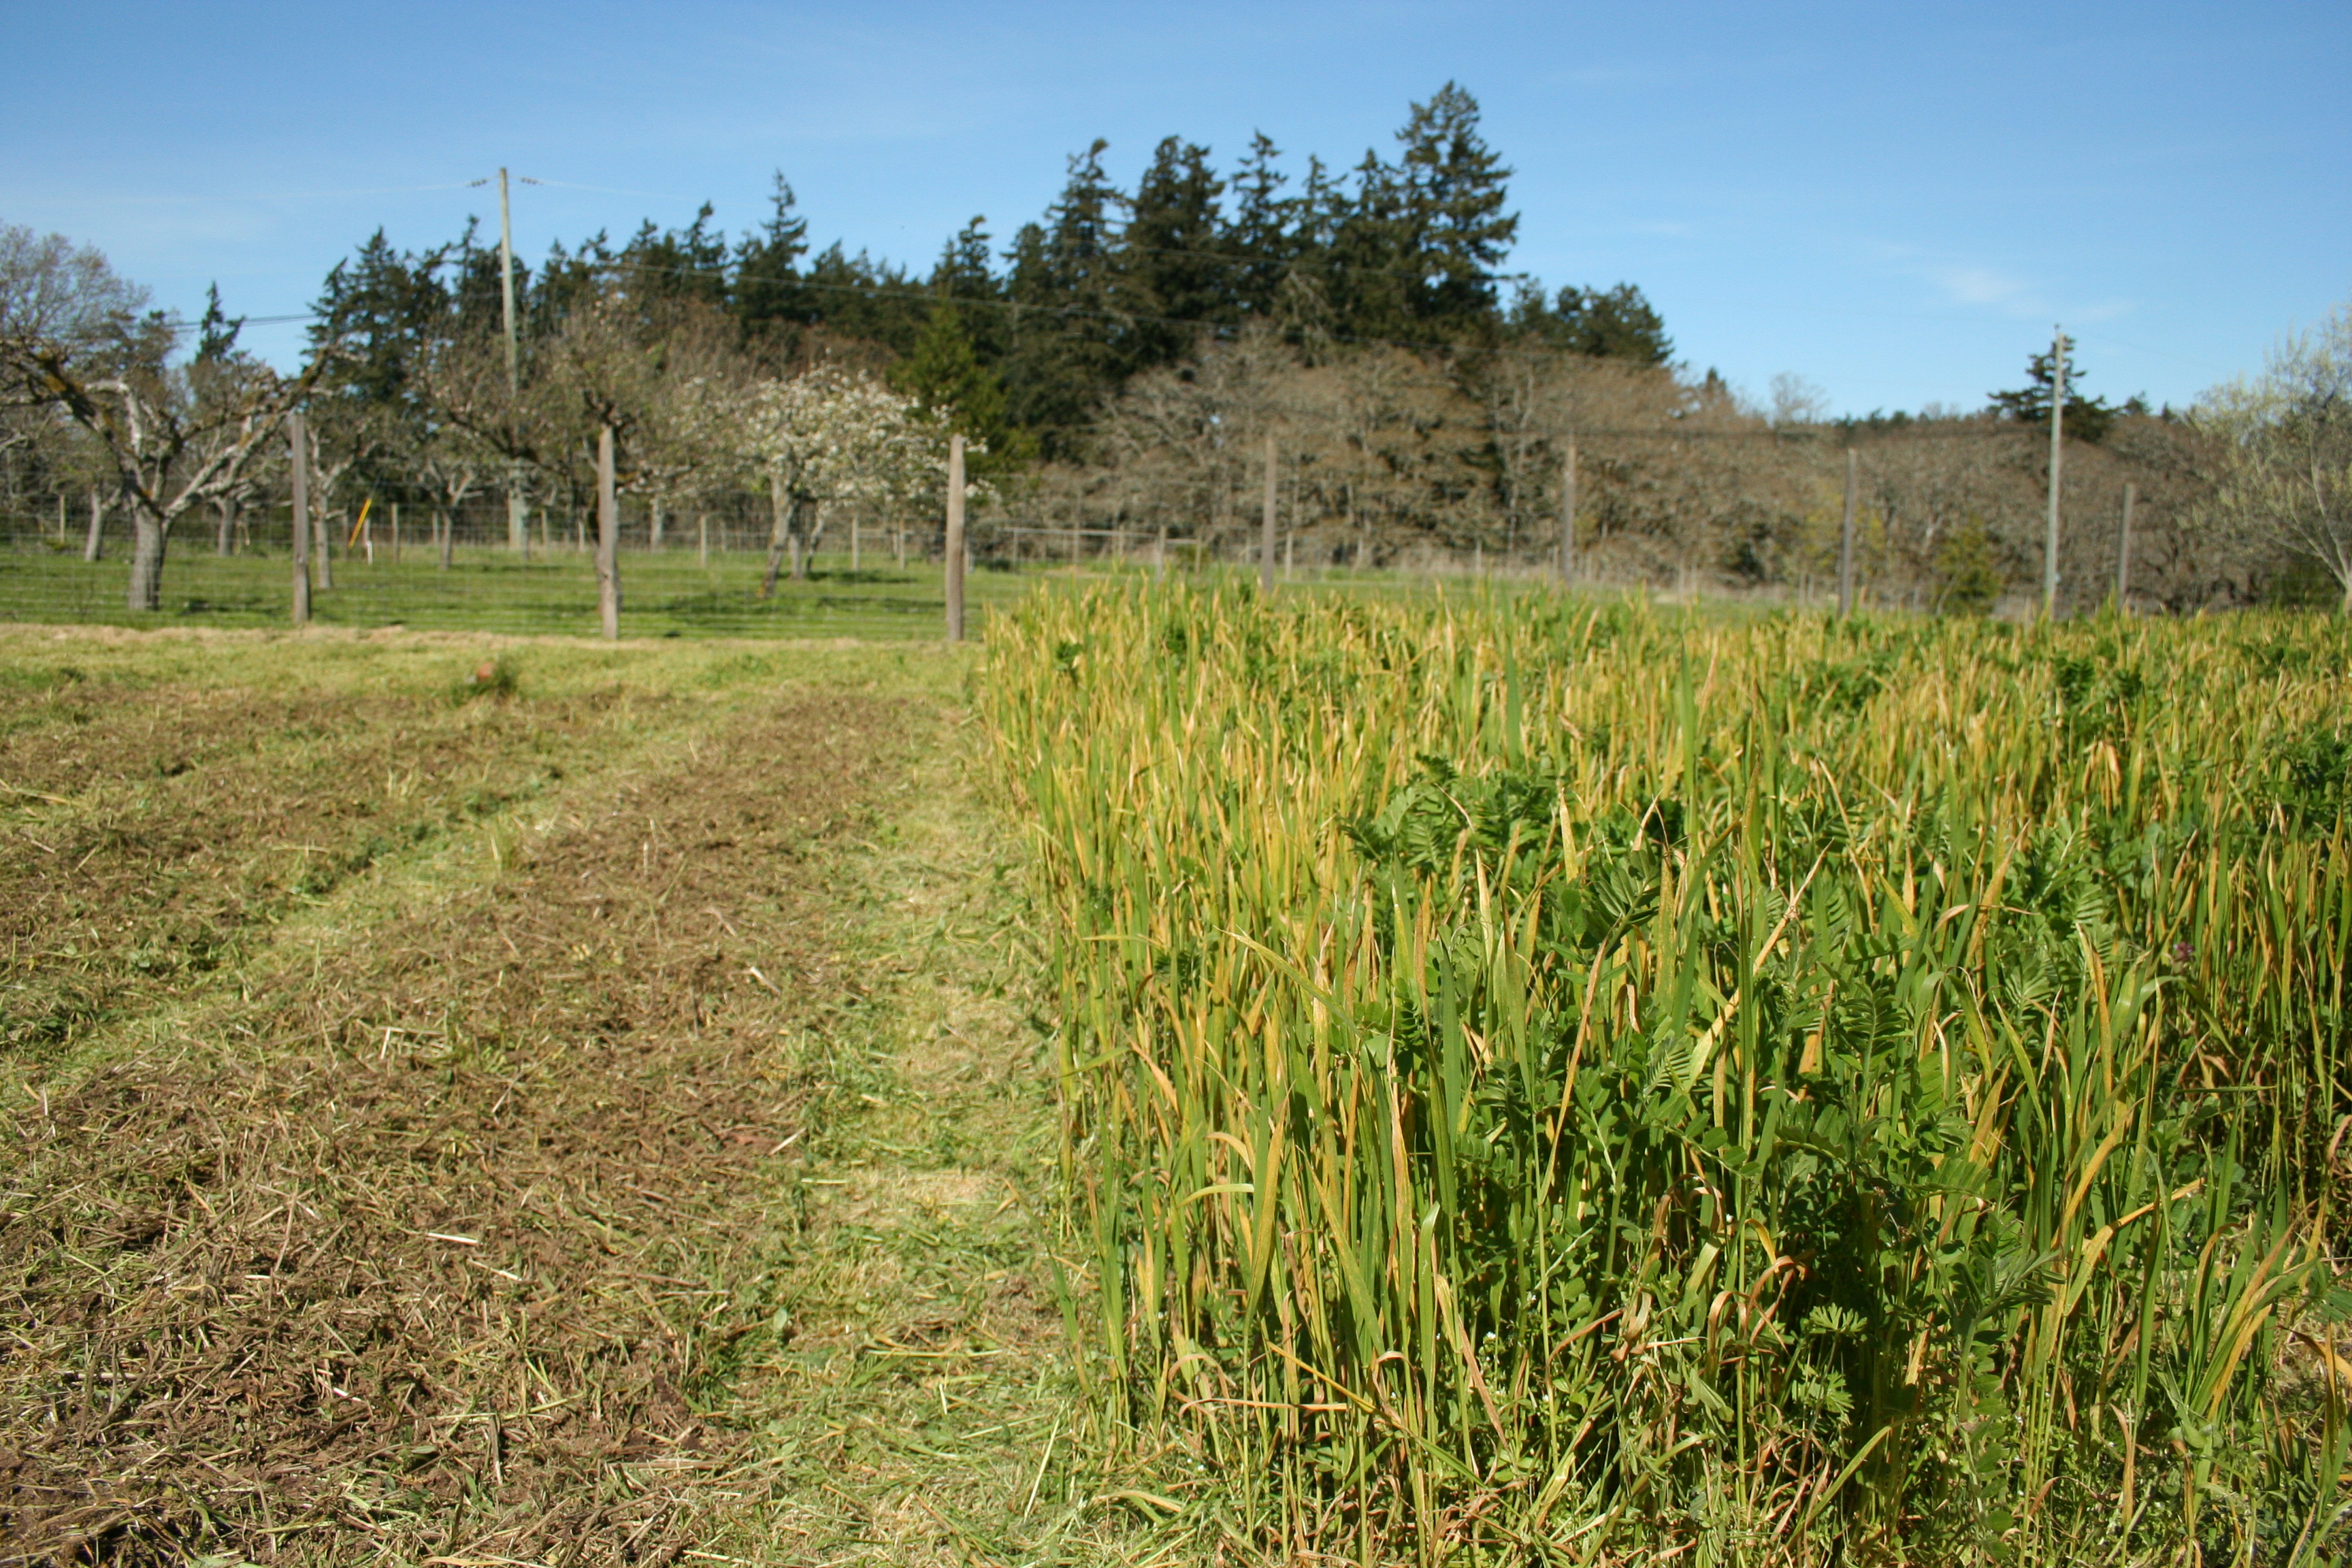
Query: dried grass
x=403 y=1250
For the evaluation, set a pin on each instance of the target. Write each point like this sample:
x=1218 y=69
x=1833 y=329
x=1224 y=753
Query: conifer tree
x=1613 y=324
x=946 y=372
x=767 y=291
x=2087 y=419
x=1450 y=192
x=1175 y=276
x=1365 y=268
x=965 y=273
x=1064 y=353
x=662 y=266
x=1263 y=237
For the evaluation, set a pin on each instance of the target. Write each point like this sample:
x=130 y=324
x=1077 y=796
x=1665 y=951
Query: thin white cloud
x=1978 y=286
x=1966 y=285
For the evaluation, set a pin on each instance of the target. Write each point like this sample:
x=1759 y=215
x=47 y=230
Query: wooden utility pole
x=1568 y=516
x=1265 y=526
x=608 y=539
x=299 y=458
x=953 y=562
x=1845 y=539
x=2123 y=553
x=506 y=281
x=2057 y=461
x=518 y=513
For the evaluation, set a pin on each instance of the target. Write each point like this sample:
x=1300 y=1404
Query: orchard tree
x=56 y=292
x=830 y=436
x=174 y=435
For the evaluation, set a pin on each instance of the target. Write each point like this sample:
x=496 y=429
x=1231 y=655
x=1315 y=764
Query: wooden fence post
x=1845 y=540
x=2057 y=465
x=608 y=539
x=2122 y=551
x=953 y=562
x=1265 y=525
x=299 y=459
x=1567 y=520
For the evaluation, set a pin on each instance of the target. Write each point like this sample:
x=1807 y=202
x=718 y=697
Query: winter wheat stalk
x=1560 y=1082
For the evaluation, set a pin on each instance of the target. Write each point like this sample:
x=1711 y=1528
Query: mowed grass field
x=1560 y=1082
x=668 y=592
x=584 y=1115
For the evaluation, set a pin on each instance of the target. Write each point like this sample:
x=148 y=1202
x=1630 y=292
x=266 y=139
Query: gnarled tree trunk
x=146 y=561
x=95 y=544
x=780 y=530
x=322 y=544
x=804 y=548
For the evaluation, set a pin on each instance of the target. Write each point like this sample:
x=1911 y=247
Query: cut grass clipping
x=573 y=1128
x=1556 y=1082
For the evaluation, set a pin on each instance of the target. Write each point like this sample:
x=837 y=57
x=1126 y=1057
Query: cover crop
x=1552 y=1079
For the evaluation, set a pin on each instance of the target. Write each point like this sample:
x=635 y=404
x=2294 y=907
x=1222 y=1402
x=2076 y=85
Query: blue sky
x=1896 y=201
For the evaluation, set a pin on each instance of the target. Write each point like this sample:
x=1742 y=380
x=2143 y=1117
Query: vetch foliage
x=1545 y=1079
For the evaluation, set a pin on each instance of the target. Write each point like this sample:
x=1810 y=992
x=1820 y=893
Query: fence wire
x=696 y=574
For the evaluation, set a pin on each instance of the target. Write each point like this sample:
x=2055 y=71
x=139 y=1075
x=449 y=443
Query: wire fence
x=695 y=574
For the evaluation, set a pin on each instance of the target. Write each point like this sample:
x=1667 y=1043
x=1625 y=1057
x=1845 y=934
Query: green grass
x=663 y=593
x=1553 y=1081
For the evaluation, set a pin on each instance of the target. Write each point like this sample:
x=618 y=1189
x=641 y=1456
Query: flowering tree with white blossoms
x=830 y=438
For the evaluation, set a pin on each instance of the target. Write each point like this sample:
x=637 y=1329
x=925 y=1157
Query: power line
x=266 y=196
x=1940 y=430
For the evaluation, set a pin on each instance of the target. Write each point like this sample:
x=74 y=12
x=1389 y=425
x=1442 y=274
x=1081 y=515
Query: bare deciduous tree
x=2287 y=453
x=175 y=437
